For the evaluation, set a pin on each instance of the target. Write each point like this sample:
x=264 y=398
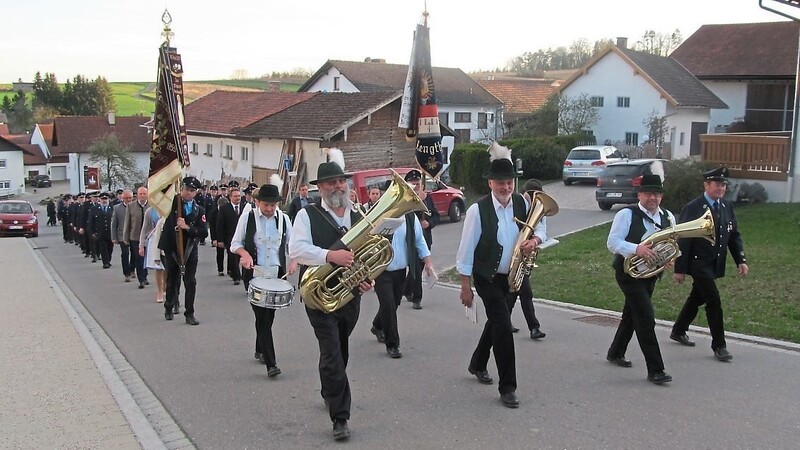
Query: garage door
x=58 y=173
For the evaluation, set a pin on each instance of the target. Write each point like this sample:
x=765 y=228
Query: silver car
x=584 y=163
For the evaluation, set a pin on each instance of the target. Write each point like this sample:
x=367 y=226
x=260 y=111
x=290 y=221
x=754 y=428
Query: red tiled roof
x=32 y=155
x=521 y=96
x=742 y=50
x=18 y=138
x=3 y=129
x=75 y=134
x=47 y=132
x=224 y=111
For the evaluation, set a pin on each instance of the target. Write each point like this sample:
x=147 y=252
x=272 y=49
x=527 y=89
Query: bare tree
x=576 y=114
x=657 y=128
x=659 y=43
x=239 y=74
x=120 y=167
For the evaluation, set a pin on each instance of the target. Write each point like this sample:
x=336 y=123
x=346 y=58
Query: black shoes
x=722 y=354
x=682 y=339
x=273 y=371
x=236 y=282
x=191 y=320
x=536 y=334
x=340 y=430
x=509 y=400
x=618 y=360
x=168 y=315
x=394 y=352
x=176 y=309
x=221 y=274
x=106 y=266
x=482 y=375
x=141 y=285
x=514 y=329
x=146 y=283
x=258 y=356
x=378 y=334
x=416 y=305
x=659 y=377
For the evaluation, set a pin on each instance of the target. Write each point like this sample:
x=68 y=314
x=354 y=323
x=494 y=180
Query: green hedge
x=542 y=158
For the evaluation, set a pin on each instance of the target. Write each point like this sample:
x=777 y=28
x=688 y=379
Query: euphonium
x=541 y=205
x=330 y=287
x=665 y=245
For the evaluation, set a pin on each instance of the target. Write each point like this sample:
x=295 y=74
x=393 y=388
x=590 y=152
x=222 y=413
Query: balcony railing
x=759 y=156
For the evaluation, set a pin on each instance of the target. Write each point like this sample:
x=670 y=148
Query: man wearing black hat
x=261 y=239
x=90 y=245
x=63 y=216
x=706 y=262
x=226 y=220
x=484 y=256
x=413 y=283
x=630 y=227
x=99 y=228
x=212 y=212
x=316 y=228
x=74 y=218
x=192 y=225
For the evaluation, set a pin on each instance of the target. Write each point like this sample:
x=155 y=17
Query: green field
x=133 y=98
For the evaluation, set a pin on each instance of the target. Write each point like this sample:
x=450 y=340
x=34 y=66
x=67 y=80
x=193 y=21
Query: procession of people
x=260 y=241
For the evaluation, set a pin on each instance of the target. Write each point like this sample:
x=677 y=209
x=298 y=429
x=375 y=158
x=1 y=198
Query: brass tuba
x=541 y=205
x=330 y=287
x=665 y=245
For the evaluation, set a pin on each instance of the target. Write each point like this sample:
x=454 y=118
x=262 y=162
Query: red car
x=17 y=217
x=449 y=201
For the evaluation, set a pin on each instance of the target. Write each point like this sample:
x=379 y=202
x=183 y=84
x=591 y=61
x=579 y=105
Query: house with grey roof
x=472 y=112
x=626 y=87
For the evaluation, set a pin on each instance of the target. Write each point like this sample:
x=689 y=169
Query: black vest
x=323 y=232
x=250 y=240
x=637 y=230
x=488 y=251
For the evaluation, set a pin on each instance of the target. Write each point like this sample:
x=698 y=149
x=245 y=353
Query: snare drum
x=272 y=293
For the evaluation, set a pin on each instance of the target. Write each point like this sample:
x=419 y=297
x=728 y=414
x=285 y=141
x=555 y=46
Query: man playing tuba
x=630 y=226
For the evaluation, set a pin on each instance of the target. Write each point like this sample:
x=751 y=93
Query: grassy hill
x=138 y=98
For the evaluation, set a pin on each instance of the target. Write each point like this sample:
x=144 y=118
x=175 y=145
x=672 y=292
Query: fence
x=760 y=156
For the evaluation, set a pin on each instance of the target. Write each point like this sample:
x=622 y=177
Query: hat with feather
x=333 y=168
x=500 y=165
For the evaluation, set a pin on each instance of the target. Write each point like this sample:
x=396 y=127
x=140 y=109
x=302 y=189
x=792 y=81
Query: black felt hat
x=328 y=171
x=718 y=174
x=651 y=183
x=192 y=183
x=268 y=193
x=501 y=169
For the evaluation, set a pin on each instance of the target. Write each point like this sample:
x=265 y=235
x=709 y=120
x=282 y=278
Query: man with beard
x=484 y=255
x=316 y=228
x=630 y=227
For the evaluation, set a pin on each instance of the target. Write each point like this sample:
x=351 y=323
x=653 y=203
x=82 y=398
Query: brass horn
x=329 y=287
x=541 y=205
x=665 y=245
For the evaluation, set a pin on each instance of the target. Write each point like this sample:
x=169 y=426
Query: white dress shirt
x=400 y=259
x=621 y=225
x=507 y=231
x=301 y=246
x=267 y=237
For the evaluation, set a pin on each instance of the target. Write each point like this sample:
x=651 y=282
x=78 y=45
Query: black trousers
x=704 y=292
x=526 y=302
x=173 y=271
x=137 y=262
x=66 y=231
x=496 y=334
x=125 y=257
x=389 y=289
x=233 y=264
x=105 y=248
x=638 y=316
x=413 y=283
x=264 y=344
x=333 y=332
x=221 y=259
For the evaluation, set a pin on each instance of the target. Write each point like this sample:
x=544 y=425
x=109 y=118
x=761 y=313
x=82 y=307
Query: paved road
x=571 y=397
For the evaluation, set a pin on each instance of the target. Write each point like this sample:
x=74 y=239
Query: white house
x=12 y=168
x=626 y=87
x=56 y=165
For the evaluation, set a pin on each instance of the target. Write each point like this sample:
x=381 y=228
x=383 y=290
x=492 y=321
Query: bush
x=751 y=193
x=683 y=182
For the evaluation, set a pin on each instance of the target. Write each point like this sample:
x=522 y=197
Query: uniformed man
x=428 y=221
x=74 y=218
x=191 y=226
x=99 y=227
x=90 y=245
x=63 y=216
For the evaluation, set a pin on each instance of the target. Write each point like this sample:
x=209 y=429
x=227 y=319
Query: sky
x=119 y=40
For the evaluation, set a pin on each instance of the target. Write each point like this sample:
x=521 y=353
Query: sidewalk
x=56 y=392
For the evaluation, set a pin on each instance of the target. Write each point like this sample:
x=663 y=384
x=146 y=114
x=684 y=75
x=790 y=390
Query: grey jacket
x=134 y=217
x=117 y=222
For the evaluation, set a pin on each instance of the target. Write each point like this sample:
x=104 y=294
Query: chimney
x=274 y=86
x=112 y=118
x=622 y=42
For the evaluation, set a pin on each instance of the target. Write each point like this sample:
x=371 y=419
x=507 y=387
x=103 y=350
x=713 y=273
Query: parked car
x=17 y=217
x=618 y=182
x=40 y=181
x=585 y=162
x=449 y=201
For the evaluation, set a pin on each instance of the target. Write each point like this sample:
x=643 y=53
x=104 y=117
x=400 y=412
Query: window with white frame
x=597 y=102
x=336 y=84
x=632 y=138
x=5 y=184
x=623 y=102
x=228 y=152
x=462 y=117
x=195 y=148
x=209 y=150
x=3 y=164
x=245 y=153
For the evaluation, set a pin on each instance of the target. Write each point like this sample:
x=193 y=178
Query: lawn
x=132 y=99
x=765 y=303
